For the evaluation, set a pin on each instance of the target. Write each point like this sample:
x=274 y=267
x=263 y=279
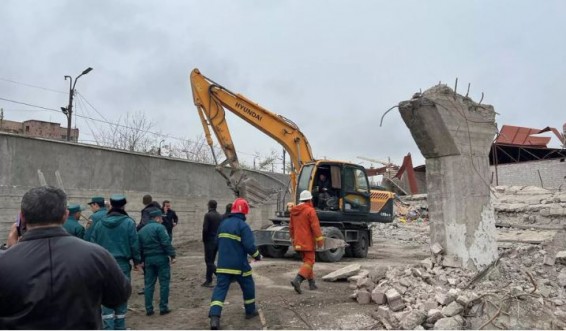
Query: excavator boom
x=211 y=100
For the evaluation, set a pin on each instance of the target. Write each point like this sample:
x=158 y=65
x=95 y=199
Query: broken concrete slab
x=343 y=273
x=412 y=320
x=427 y=263
x=378 y=296
x=436 y=248
x=394 y=300
x=378 y=273
x=433 y=315
x=363 y=297
x=454 y=308
x=362 y=274
x=449 y=323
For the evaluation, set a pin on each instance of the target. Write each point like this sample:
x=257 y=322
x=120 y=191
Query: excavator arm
x=211 y=100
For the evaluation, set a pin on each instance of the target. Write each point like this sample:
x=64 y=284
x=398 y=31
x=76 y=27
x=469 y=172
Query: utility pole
x=283 y=160
x=69 y=110
x=1 y=117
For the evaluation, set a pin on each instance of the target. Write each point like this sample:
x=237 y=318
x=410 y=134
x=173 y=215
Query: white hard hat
x=305 y=195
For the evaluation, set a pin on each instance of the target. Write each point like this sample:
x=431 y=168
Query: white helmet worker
x=305 y=195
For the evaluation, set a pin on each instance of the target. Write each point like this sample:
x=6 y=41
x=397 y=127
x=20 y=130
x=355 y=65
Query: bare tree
x=132 y=133
x=195 y=150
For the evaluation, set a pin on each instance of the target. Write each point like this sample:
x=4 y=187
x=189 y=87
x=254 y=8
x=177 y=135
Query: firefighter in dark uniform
x=235 y=243
x=72 y=224
x=157 y=254
x=117 y=233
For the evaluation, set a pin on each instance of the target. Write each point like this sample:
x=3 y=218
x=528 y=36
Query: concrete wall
x=550 y=174
x=85 y=170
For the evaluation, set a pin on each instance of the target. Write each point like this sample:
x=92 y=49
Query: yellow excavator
x=346 y=206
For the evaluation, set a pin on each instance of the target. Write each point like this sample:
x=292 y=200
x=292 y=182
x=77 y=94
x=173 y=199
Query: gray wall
x=86 y=170
x=549 y=174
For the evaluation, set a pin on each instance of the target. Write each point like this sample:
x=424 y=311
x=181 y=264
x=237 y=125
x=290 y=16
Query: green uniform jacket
x=117 y=233
x=74 y=228
x=155 y=241
x=95 y=217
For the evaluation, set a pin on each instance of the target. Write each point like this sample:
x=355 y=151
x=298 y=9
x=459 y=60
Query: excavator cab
x=336 y=186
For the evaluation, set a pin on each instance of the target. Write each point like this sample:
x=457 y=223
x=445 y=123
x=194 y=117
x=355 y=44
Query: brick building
x=37 y=128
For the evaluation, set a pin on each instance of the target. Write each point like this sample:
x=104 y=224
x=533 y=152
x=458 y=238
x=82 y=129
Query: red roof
x=520 y=136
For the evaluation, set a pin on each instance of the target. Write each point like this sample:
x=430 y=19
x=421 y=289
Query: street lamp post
x=69 y=110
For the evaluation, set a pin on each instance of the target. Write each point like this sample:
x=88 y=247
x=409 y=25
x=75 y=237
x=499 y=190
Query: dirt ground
x=327 y=308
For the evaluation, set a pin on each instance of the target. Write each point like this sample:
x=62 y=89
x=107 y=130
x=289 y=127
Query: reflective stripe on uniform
x=307 y=265
x=247 y=273
x=217 y=303
x=229 y=236
x=319 y=238
x=120 y=316
x=229 y=271
x=107 y=317
x=247 y=302
x=256 y=253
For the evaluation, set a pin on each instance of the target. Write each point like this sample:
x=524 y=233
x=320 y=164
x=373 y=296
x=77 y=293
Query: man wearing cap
x=51 y=280
x=99 y=210
x=157 y=253
x=72 y=224
x=117 y=233
x=235 y=242
x=304 y=229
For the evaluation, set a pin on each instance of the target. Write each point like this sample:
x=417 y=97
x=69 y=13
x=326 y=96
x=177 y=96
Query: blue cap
x=97 y=199
x=155 y=212
x=74 y=208
x=117 y=200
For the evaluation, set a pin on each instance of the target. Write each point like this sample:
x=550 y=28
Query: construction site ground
x=330 y=307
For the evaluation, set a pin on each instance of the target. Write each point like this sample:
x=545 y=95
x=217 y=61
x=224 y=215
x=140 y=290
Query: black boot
x=215 y=322
x=312 y=285
x=297 y=283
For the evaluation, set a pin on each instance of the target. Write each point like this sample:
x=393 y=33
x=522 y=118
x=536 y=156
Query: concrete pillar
x=454 y=134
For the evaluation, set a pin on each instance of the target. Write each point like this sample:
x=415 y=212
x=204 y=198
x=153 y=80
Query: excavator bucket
x=256 y=195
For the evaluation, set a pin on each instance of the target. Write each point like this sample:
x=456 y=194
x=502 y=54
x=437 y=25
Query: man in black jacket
x=149 y=204
x=52 y=280
x=170 y=219
x=209 y=238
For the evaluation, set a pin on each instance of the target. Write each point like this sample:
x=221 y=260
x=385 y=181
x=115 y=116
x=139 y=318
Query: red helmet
x=241 y=206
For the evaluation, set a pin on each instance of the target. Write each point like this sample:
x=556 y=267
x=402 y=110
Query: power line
x=29 y=85
x=114 y=124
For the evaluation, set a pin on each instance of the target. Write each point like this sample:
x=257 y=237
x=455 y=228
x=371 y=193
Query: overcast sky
x=333 y=67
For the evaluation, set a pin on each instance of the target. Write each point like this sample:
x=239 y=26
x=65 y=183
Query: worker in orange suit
x=305 y=233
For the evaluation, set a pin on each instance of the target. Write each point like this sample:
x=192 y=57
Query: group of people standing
x=74 y=282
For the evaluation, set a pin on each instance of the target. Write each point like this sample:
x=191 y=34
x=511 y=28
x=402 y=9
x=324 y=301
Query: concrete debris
x=362 y=274
x=452 y=309
x=452 y=261
x=561 y=257
x=378 y=274
x=427 y=263
x=433 y=315
x=394 y=300
x=363 y=297
x=343 y=273
x=449 y=323
x=378 y=296
x=412 y=320
x=436 y=248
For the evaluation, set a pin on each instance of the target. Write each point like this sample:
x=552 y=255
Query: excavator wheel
x=360 y=248
x=333 y=255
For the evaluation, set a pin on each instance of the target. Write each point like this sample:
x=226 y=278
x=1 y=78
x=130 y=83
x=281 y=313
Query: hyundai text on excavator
x=346 y=207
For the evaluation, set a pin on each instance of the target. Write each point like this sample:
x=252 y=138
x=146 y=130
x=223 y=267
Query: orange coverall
x=304 y=229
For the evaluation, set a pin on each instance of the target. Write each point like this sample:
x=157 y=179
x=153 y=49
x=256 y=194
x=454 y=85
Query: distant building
x=37 y=128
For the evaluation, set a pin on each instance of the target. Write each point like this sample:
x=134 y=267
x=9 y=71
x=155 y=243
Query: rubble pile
x=522 y=289
x=405 y=233
x=530 y=205
x=513 y=204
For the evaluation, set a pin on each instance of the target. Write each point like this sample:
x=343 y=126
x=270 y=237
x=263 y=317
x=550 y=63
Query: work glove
x=320 y=243
x=258 y=257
